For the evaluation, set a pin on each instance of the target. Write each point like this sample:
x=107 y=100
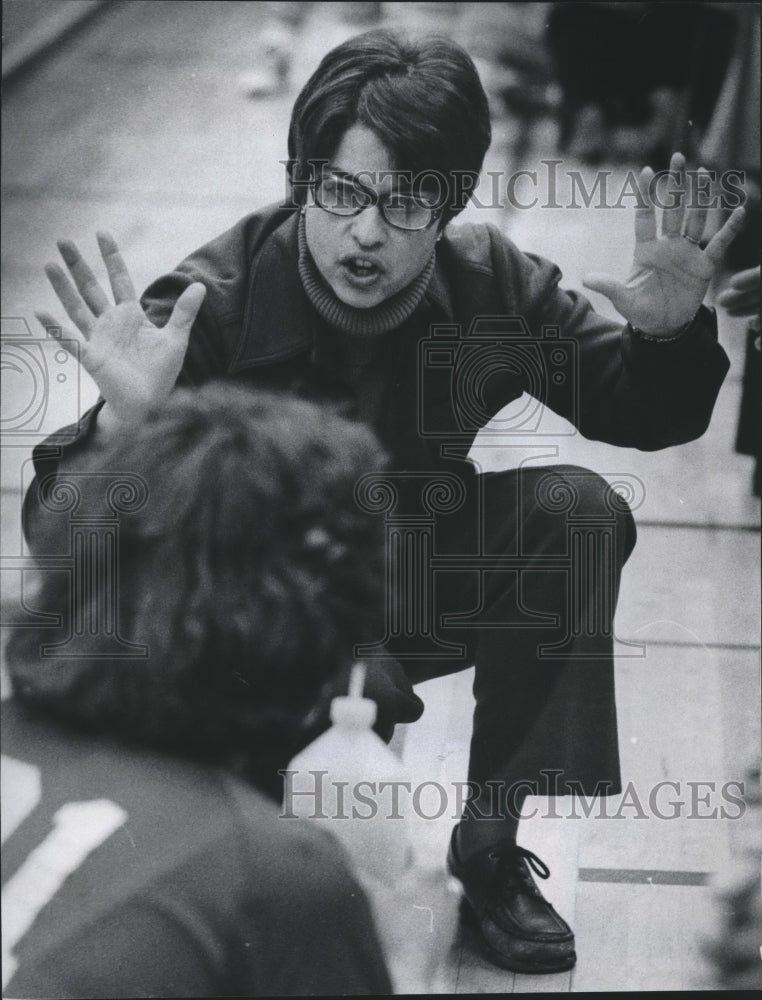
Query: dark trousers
x=517 y=573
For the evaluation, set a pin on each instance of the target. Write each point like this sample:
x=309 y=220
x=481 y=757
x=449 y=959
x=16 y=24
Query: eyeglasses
x=342 y=196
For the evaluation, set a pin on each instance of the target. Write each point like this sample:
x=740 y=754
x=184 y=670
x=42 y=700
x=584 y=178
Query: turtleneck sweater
x=349 y=340
x=359 y=324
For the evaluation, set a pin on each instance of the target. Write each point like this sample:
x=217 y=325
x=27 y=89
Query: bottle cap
x=354 y=710
x=358 y=713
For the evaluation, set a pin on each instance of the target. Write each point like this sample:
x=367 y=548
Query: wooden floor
x=141 y=124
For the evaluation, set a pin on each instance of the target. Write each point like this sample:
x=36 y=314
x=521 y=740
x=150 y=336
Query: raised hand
x=134 y=363
x=670 y=272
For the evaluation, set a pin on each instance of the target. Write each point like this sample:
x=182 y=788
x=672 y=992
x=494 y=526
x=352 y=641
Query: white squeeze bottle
x=349 y=782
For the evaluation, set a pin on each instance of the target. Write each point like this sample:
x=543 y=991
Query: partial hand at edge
x=743 y=296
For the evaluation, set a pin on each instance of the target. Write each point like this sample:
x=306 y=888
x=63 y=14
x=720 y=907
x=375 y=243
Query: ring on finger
x=690 y=239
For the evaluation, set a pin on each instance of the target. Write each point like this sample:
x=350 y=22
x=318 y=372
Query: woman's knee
x=575 y=495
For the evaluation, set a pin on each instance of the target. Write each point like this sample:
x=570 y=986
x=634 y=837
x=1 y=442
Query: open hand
x=134 y=363
x=670 y=272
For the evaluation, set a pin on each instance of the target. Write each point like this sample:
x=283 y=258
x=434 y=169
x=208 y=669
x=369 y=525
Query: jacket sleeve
x=616 y=385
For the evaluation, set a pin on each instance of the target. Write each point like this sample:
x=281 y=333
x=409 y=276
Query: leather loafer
x=519 y=928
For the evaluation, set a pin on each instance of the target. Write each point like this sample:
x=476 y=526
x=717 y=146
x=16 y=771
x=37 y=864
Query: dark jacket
x=493 y=324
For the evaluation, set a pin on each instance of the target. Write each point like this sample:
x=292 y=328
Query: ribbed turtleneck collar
x=372 y=322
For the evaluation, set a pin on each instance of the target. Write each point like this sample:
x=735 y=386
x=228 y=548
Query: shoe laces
x=515 y=864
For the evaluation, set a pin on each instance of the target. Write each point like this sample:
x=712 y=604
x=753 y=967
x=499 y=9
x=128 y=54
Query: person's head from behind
x=248 y=573
x=386 y=143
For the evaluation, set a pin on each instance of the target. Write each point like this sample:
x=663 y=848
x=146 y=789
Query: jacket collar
x=279 y=321
x=438 y=293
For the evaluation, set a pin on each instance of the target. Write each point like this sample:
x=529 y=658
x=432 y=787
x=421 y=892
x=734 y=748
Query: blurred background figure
x=508 y=45
x=280 y=45
x=144 y=854
x=732 y=142
x=733 y=949
x=638 y=79
x=743 y=297
x=602 y=81
x=275 y=47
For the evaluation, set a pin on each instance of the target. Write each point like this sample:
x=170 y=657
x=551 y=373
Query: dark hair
x=249 y=572
x=423 y=99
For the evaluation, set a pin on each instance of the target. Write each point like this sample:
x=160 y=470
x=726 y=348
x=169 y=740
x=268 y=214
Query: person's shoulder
x=158 y=791
x=180 y=810
x=307 y=895
x=223 y=265
x=477 y=244
x=226 y=255
x=482 y=250
x=293 y=855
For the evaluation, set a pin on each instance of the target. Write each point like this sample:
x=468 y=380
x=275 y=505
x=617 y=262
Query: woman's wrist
x=108 y=423
x=667 y=335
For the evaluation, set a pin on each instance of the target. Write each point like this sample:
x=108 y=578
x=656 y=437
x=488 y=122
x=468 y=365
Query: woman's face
x=363 y=258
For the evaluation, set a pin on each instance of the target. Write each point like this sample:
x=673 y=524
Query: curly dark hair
x=248 y=574
x=422 y=97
